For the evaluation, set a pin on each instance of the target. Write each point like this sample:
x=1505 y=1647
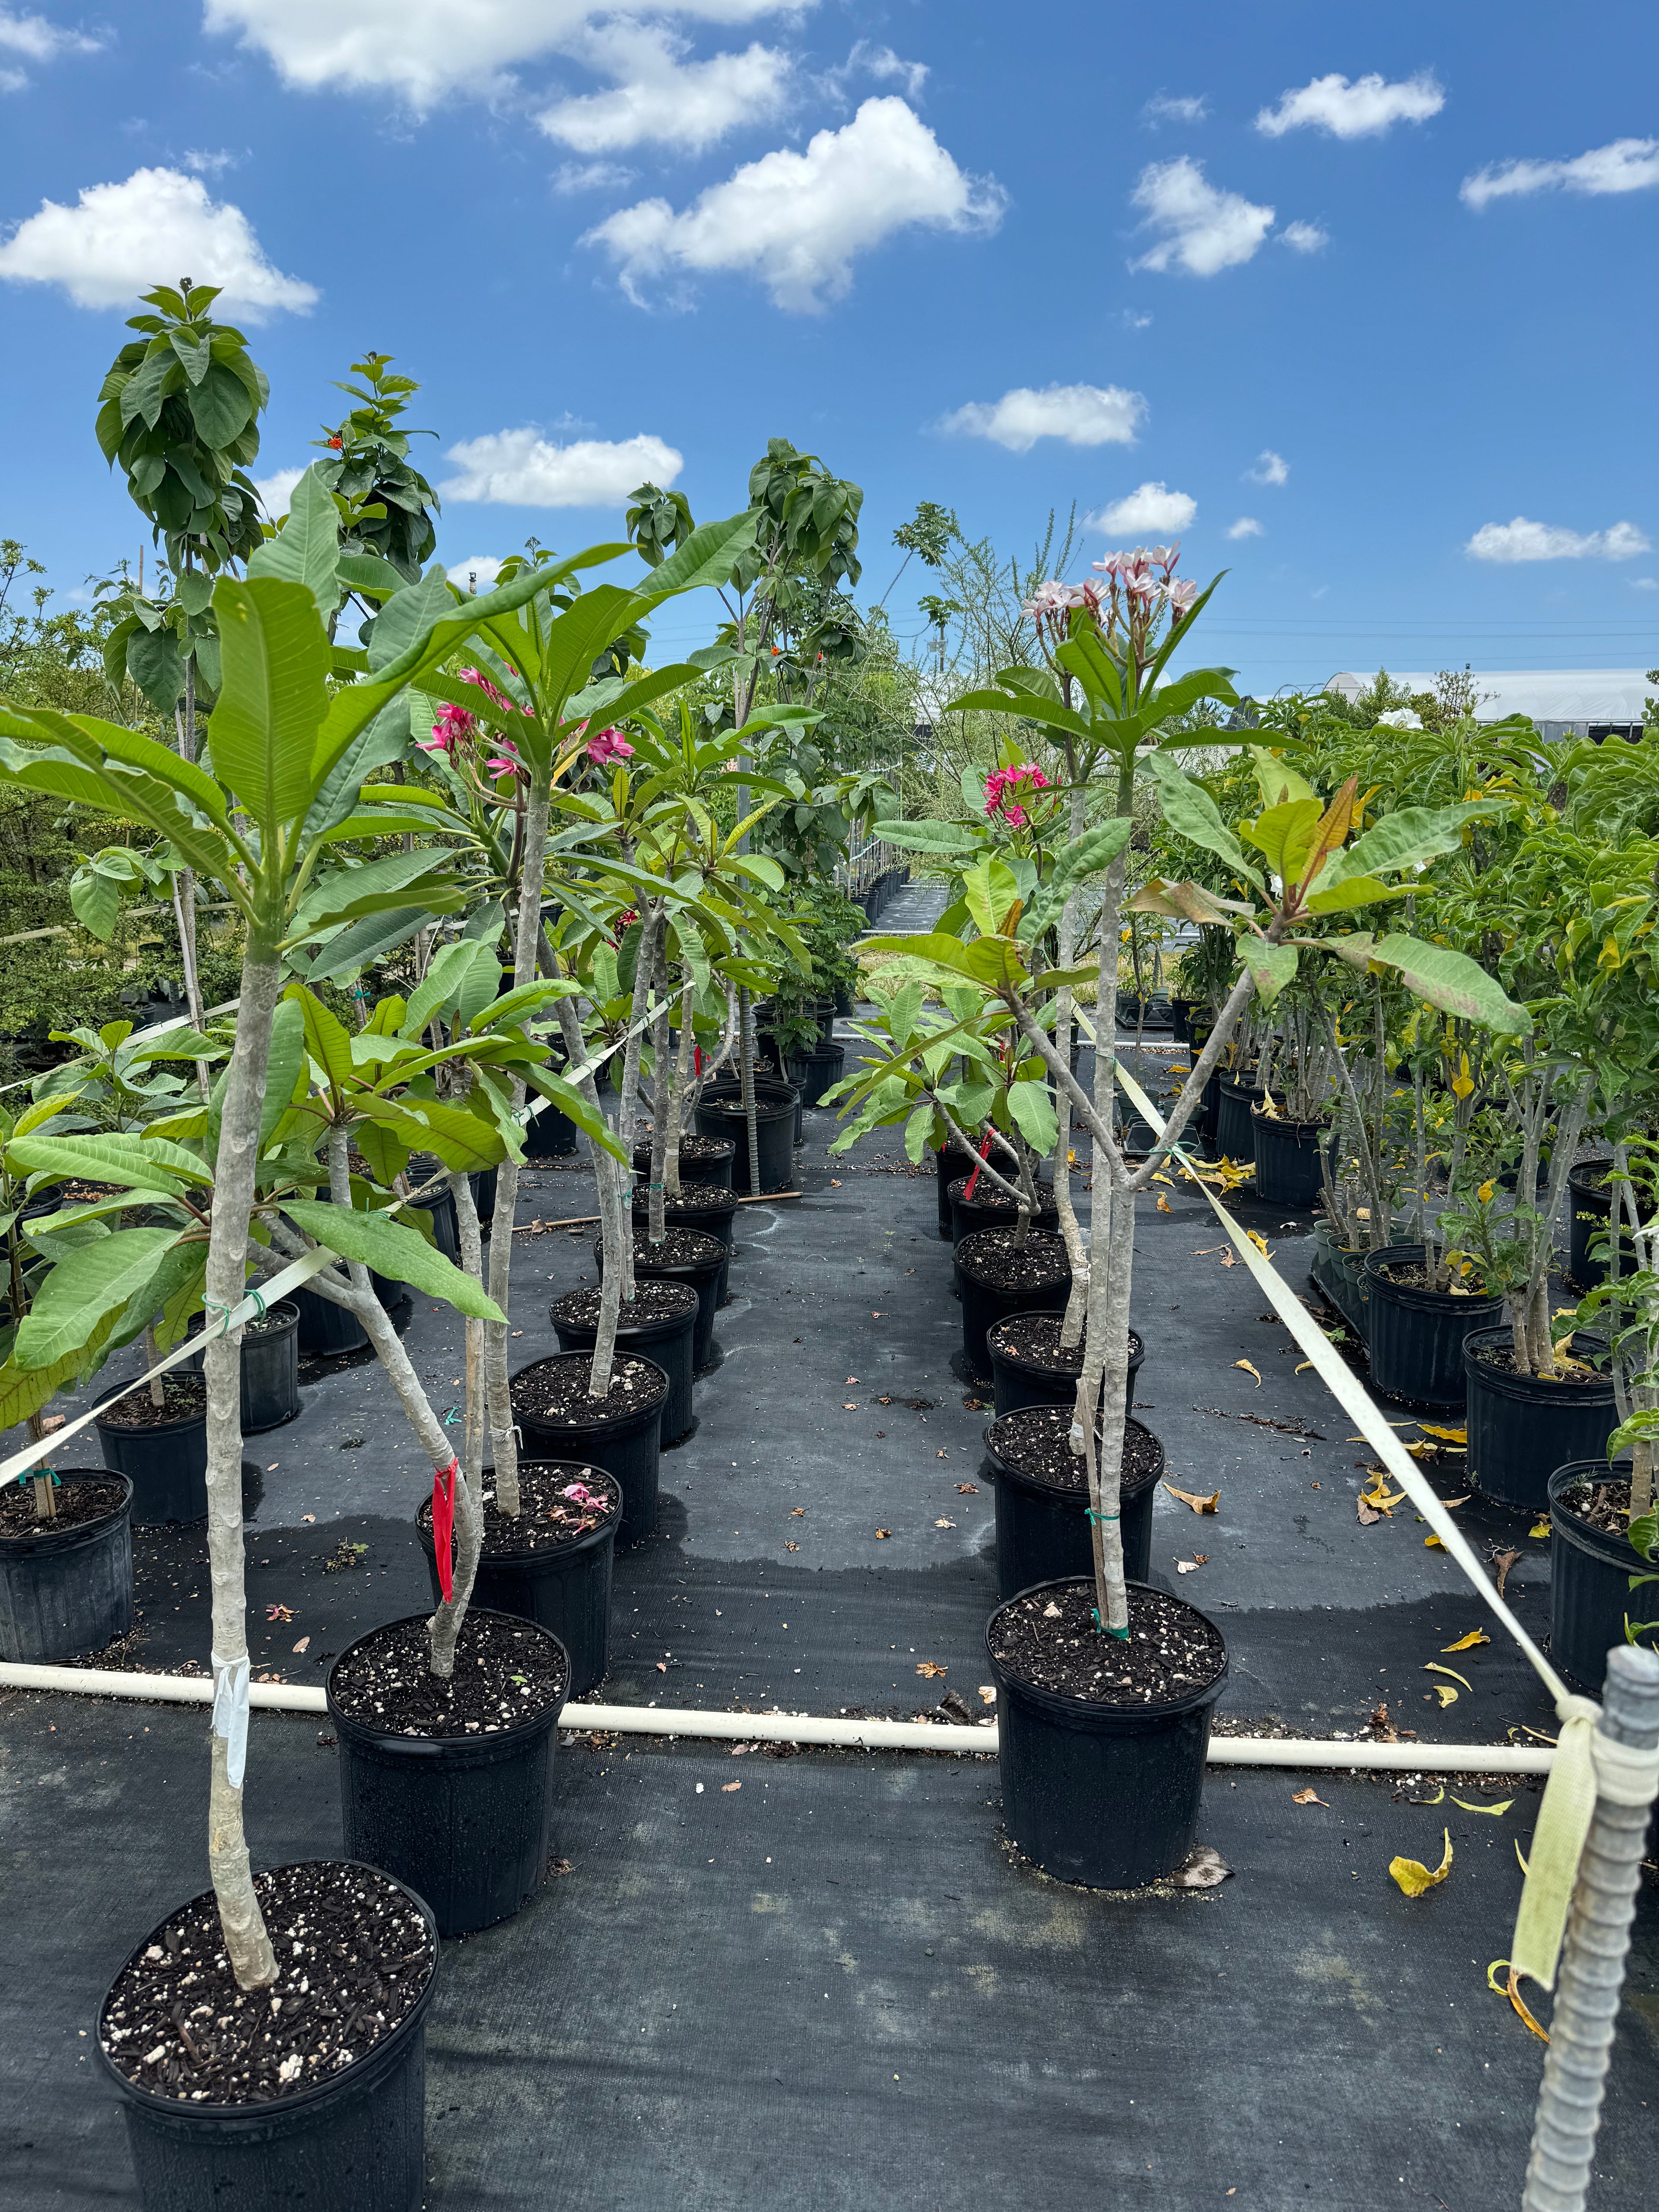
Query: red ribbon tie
x=443 y=1526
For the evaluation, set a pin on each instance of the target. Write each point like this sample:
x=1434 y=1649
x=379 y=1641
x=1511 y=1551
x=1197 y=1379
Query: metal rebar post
x=1592 y=1970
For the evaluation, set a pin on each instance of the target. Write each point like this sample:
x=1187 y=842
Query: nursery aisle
x=822 y=1988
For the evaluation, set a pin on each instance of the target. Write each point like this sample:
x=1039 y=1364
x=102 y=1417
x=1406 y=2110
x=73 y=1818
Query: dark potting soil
x=680 y=1248
x=994 y=1261
x=692 y=1147
x=559 y=1500
x=353 y=1955
x=1604 y=1506
x=987 y=1193
x=653 y=1301
x=506 y=1670
x=1034 y=1443
x=1413 y=1275
x=555 y=1389
x=1049 y=1640
x=699 y=1197
x=1503 y=1358
x=78 y=1503
x=1035 y=1337
x=272 y=1323
x=182 y=1395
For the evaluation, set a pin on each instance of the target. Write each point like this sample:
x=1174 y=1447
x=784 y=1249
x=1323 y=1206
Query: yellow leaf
x=1486 y=1191
x=1304 y=1366
x=1248 y=1370
x=1431 y=1666
x=1502 y=1806
x=1260 y=1243
x=1446 y=1436
x=1468 y=1643
x=1438 y=1797
x=1210 y=1505
x=1164 y=1180
x=1163 y=1205
x=1414 y=1877
x=1541 y=1529
x=1507 y=1989
x=1525 y=1869
x=1446 y=1694
x=1434 y=1543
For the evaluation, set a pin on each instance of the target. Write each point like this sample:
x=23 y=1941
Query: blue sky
x=1006 y=262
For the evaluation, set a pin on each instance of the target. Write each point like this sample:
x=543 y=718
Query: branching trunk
x=246 y=1943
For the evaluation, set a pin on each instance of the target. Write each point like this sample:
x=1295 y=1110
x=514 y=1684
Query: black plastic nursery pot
x=565 y=1587
x=463 y=1821
x=549 y=1135
x=669 y=1340
x=69 y=1588
x=483 y=1182
x=1236 y=1119
x=1106 y=1796
x=326 y=1330
x=1338 y=1275
x=1043 y=1526
x=1207 y=1117
x=703 y=1266
x=774 y=1130
x=1590 y=1217
x=1590 y=1596
x=1157 y=1014
x=949 y=1165
x=1033 y=1375
x=625 y=1444
x=703 y=1207
x=1521 y=1427
x=1416 y=1336
x=166 y=1462
x=1043 y=1279
x=822 y=1068
x=1181 y=1012
x=1288 y=1171
x=988 y=1209
x=704 y=1160
x=271 y=1367
x=355 y=2142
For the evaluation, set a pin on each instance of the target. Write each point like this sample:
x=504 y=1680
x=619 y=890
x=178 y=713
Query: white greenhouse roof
x=1559 y=695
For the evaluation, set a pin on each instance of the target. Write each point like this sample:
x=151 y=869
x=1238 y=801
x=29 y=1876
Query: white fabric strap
x=230 y=1688
x=1624 y=1775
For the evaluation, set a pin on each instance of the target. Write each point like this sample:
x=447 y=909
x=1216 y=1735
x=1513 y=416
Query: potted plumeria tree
x=1105 y=1687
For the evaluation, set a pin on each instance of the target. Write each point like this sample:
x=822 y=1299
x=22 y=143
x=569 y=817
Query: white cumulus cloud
x=866 y=59
x=1364 y=109
x=1521 y=540
x=797 y=221
x=522 y=468
x=1627 y=164
x=1270 y=468
x=1247 y=527
x=276 y=489
x=120 y=239
x=478 y=573
x=38 y=40
x=1176 y=107
x=663 y=99
x=571 y=176
x=422 y=50
x=1081 y=414
x=1197 y=226
x=1304 y=237
x=1152 y=510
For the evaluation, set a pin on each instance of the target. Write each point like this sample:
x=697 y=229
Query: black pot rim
x=1023 y=1366
x=52 y=1543
x=964 y=1258
x=996 y=1199
x=1282 y=1125
x=285 y=1307
x=643 y=1332
x=549 y=1553
x=320 y=2092
x=146 y=1428
x=1586 y=1179
x=1239 y=1090
x=726 y=1202
x=1377 y=1264
x=1110 y=1720
x=1006 y=1472
x=1568 y=1525
x=718 y=1148
x=672 y=1270
x=769 y=1108
x=1533 y=1389
x=436 y=1746
x=611 y=1420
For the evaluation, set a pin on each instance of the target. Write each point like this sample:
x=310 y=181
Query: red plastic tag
x=984 y=1154
x=443 y=1525
x=696 y=1059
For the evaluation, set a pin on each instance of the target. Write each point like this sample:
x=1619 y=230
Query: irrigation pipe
x=980 y=1740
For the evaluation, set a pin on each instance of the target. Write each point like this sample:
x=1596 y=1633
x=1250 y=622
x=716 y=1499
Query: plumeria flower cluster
x=608 y=745
x=1144 y=580
x=1009 y=790
x=459 y=735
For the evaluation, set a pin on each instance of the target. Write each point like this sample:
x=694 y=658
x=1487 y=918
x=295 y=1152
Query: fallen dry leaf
x=850 y=1405
x=795 y=1512
x=968 y=1489
x=1248 y=1370
x=726 y=1788
x=945 y=1524
x=1260 y=1243
x=1446 y=1436
x=1507 y=1989
x=303 y=1643
x=882 y=1535
x=1431 y=1666
x=1051 y=1611
x=1367 y=1513
x=1414 y=1877
x=988 y=1693
x=1210 y=1505
x=1308 y=1797
x=1163 y=1205
x=1434 y=1543
x=661 y=1668
x=1203 y=1868
x=1504 y=1561
x=1304 y=1366
x=279 y=1613
x=1541 y=1529
x=788 y=1547
x=1191 y=1566
x=52 y=1421
x=308 y=1516
x=1445 y=1693
x=273 y=1468
x=835 y=1182
x=1229 y=1259
x=1468 y=1643
x=1500 y=1808
x=931 y=1669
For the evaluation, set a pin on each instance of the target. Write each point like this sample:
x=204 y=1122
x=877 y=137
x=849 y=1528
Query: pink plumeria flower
x=1005 y=786
x=1183 y=593
x=490 y=691
x=453 y=725
x=609 y=745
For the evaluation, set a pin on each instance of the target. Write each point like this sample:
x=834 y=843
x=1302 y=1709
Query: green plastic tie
x=1090 y=1514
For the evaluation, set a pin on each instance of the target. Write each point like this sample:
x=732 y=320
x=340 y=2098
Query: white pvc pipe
x=975 y=1740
